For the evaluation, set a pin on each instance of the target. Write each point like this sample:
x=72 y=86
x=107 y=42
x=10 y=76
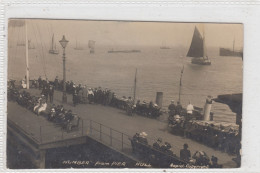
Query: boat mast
x=27 y=58
x=52 y=41
x=204 y=48
x=180 y=84
x=135 y=84
x=234 y=45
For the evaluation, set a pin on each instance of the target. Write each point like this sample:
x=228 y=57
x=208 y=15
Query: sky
x=125 y=33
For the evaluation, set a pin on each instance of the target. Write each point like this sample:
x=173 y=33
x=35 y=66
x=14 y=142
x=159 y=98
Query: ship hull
x=53 y=52
x=124 y=51
x=228 y=52
x=200 y=61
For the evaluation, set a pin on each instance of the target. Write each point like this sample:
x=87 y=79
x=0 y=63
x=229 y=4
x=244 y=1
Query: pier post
x=41 y=134
x=82 y=128
x=122 y=141
x=41 y=161
x=100 y=128
x=110 y=136
x=90 y=127
x=207 y=109
x=159 y=99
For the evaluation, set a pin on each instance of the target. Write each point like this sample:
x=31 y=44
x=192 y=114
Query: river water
x=157 y=70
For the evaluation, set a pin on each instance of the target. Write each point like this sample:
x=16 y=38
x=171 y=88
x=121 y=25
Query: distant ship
x=229 y=52
x=124 y=51
x=165 y=47
x=91 y=46
x=197 y=49
x=30 y=45
x=78 y=46
x=53 y=49
x=20 y=44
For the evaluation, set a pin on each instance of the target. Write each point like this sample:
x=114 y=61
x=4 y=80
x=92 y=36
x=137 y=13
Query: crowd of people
x=54 y=113
x=187 y=122
x=199 y=158
x=81 y=94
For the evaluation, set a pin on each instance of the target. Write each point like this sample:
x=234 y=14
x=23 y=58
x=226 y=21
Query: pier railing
x=98 y=131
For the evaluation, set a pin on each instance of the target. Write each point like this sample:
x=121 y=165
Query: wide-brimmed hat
x=143 y=134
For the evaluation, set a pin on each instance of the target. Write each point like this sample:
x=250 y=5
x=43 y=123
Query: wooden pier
x=106 y=125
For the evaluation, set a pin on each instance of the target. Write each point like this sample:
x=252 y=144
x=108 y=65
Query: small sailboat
x=53 y=49
x=197 y=49
x=91 y=46
x=78 y=46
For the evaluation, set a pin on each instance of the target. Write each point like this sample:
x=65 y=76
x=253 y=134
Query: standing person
x=74 y=96
x=185 y=153
x=190 y=109
x=172 y=109
x=90 y=96
x=178 y=108
x=40 y=82
x=84 y=94
x=45 y=92
x=51 y=93
x=56 y=82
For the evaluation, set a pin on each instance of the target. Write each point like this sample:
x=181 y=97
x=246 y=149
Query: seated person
x=52 y=115
x=142 y=138
x=43 y=107
x=136 y=137
x=201 y=158
x=167 y=148
x=157 y=144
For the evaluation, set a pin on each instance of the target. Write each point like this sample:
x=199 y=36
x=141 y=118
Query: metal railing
x=99 y=132
x=109 y=136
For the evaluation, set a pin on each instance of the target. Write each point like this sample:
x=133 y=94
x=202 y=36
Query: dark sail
x=196 y=47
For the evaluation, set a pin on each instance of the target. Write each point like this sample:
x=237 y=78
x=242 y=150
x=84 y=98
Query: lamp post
x=64 y=43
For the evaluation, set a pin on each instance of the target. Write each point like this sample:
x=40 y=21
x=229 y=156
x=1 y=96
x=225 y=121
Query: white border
x=246 y=12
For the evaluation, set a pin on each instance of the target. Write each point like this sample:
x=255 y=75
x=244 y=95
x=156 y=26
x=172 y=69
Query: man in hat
x=185 y=153
x=178 y=108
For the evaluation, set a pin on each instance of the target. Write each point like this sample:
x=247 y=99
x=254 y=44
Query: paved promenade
x=110 y=117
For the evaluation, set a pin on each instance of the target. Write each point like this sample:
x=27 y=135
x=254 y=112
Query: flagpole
x=180 y=84
x=27 y=59
x=135 y=84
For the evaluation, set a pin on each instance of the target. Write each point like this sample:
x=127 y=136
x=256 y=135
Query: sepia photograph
x=123 y=94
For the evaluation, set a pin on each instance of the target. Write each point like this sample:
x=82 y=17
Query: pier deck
x=109 y=121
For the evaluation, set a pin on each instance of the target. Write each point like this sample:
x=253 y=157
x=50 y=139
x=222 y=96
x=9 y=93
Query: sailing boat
x=77 y=46
x=53 y=49
x=197 y=49
x=91 y=46
x=30 y=46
